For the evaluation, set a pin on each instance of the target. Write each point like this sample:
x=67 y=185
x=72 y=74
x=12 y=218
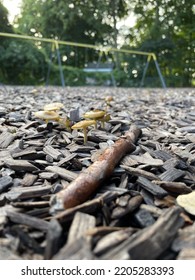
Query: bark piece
x=26 y=240
x=147 y=159
x=20 y=165
x=151 y=187
x=6 y=138
x=8 y=254
x=27 y=154
x=139 y=172
x=31 y=204
x=80 y=225
x=151 y=242
x=79 y=250
x=111 y=240
x=53 y=239
x=175 y=187
x=5 y=183
x=185 y=239
x=54 y=153
x=133 y=204
x=28 y=179
x=187 y=254
x=63 y=173
x=172 y=175
x=24 y=219
x=124 y=181
x=66 y=159
x=48 y=175
x=143 y=218
x=28 y=192
x=123 y=200
x=90 y=179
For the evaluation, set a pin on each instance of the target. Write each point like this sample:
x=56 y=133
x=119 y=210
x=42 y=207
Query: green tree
x=87 y=21
x=21 y=62
x=166 y=27
x=5 y=26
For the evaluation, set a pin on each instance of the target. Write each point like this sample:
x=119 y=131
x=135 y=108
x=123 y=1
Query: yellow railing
x=60 y=42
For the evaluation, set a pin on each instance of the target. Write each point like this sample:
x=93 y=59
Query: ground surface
x=134 y=214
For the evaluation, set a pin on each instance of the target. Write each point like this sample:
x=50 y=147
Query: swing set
x=95 y=67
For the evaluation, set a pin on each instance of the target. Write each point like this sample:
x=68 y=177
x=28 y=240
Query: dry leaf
x=187 y=201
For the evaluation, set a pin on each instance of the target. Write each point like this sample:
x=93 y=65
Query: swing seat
x=101 y=68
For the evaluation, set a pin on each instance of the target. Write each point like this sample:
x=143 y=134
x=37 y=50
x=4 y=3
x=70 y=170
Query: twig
x=90 y=179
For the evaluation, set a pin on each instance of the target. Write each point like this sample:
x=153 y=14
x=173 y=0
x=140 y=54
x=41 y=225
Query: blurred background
x=163 y=27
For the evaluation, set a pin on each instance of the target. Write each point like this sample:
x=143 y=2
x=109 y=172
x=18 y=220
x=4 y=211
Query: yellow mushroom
x=65 y=121
x=47 y=115
x=84 y=125
x=108 y=99
x=53 y=106
x=94 y=115
x=105 y=118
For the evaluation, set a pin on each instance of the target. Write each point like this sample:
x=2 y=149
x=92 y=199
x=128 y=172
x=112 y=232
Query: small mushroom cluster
x=91 y=118
x=97 y=115
x=108 y=99
x=51 y=113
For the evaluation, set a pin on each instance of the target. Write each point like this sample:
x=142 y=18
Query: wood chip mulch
x=134 y=214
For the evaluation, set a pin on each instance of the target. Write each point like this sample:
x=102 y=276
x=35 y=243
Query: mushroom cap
x=53 y=106
x=105 y=118
x=109 y=98
x=96 y=114
x=65 y=121
x=83 y=124
x=47 y=115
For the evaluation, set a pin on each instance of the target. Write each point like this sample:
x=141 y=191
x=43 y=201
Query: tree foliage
x=86 y=21
x=21 y=61
x=164 y=27
x=5 y=26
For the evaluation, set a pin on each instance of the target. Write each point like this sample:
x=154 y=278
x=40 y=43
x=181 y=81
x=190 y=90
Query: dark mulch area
x=135 y=213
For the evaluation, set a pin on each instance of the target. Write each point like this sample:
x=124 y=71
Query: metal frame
x=56 y=43
x=55 y=48
x=157 y=68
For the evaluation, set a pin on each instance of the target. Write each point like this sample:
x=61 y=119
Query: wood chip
x=175 y=187
x=54 y=153
x=20 y=165
x=28 y=192
x=24 y=219
x=28 y=179
x=5 y=183
x=62 y=172
x=6 y=138
x=151 y=187
x=172 y=175
x=139 y=172
x=110 y=240
x=80 y=225
x=152 y=241
x=53 y=239
x=133 y=203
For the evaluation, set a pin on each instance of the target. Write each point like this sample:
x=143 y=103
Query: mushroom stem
x=85 y=134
